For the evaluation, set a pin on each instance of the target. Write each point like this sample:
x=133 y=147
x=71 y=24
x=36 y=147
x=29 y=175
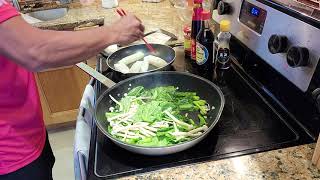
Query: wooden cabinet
x=60 y=93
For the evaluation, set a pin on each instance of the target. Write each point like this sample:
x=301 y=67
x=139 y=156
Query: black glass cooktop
x=248 y=125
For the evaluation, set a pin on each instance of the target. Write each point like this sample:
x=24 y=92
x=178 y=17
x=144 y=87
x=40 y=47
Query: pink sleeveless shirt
x=22 y=130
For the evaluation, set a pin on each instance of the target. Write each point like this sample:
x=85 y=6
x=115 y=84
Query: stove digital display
x=252 y=16
x=255 y=11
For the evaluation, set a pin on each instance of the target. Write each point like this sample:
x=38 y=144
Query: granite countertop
x=288 y=163
x=165 y=17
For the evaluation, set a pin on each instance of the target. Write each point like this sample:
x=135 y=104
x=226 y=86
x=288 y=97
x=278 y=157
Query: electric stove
x=272 y=100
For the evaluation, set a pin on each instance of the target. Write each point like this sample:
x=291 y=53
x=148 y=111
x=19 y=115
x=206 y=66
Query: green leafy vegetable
x=157 y=117
x=136 y=91
x=126 y=103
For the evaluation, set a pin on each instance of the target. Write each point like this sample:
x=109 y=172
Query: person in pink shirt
x=25 y=152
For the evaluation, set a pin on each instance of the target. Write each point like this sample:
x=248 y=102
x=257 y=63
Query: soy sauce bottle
x=195 y=28
x=223 y=53
x=205 y=48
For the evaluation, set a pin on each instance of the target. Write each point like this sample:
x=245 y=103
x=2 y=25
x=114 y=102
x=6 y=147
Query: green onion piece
x=186 y=107
x=201 y=120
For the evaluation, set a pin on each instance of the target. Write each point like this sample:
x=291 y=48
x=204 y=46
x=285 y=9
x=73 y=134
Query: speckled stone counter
x=288 y=163
x=153 y=15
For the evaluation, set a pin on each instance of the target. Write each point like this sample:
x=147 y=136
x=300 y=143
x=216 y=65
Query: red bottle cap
x=197 y=1
x=206 y=15
x=187 y=29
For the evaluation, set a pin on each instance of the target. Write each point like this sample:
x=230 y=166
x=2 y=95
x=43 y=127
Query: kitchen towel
x=81 y=149
x=87 y=102
x=83 y=133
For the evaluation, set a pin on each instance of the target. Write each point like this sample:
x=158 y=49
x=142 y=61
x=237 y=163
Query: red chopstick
x=121 y=12
x=151 y=49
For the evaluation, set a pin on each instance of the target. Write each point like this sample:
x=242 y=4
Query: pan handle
x=95 y=74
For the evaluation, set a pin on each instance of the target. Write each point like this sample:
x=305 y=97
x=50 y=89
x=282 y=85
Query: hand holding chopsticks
x=126 y=30
x=121 y=12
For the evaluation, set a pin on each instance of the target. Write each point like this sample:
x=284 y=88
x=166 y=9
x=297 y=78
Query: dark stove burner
x=115 y=77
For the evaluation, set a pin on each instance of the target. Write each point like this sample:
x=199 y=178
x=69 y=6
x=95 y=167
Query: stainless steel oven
x=272 y=91
x=309 y=8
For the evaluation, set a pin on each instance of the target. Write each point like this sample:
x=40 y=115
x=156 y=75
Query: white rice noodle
x=185 y=134
x=121 y=68
x=178 y=121
x=151 y=128
x=127 y=136
x=202 y=128
x=132 y=58
x=160 y=124
x=145 y=131
x=144 y=66
x=117 y=102
x=119 y=116
x=142 y=124
x=135 y=68
x=126 y=120
x=193 y=133
x=155 y=61
x=130 y=127
x=175 y=127
x=135 y=134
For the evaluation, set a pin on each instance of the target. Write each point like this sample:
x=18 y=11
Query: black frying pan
x=185 y=81
x=165 y=52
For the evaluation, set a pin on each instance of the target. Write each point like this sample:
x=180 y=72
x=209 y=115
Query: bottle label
x=193 y=49
x=202 y=54
x=187 y=44
x=223 y=55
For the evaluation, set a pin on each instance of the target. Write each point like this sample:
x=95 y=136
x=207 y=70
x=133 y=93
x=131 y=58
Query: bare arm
x=37 y=49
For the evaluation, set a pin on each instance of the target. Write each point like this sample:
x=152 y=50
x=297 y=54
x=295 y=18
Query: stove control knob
x=277 y=44
x=297 y=56
x=215 y=4
x=223 y=8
